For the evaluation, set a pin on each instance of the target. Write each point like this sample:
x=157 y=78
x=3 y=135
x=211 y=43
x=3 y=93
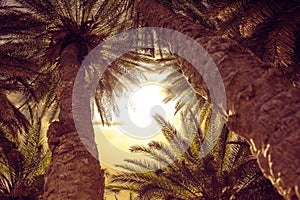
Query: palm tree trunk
x=73 y=173
x=265 y=108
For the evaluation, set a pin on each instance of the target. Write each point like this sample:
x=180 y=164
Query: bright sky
x=135 y=124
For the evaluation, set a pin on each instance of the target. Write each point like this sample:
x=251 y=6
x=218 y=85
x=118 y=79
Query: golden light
x=142 y=104
x=135 y=125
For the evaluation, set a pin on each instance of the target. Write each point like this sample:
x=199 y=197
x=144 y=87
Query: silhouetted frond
x=23 y=161
x=224 y=172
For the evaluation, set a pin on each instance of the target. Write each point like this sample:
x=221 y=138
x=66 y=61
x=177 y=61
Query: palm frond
x=23 y=160
x=226 y=170
x=13 y=121
x=268 y=28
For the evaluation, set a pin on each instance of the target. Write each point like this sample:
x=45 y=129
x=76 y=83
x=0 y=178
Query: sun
x=145 y=102
x=135 y=124
x=138 y=108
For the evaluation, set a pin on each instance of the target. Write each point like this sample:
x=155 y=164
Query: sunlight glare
x=142 y=104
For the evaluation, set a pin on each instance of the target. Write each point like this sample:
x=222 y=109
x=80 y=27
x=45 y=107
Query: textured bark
x=265 y=108
x=74 y=173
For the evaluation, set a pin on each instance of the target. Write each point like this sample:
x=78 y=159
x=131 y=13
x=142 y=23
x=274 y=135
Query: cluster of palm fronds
x=34 y=34
x=28 y=103
x=179 y=169
x=24 y=156
x=269 y=28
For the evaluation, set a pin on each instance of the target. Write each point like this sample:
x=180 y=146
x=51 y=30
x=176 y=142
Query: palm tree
x=229 y=171
x=23 y=159
x=45 y=42
x=256 y=92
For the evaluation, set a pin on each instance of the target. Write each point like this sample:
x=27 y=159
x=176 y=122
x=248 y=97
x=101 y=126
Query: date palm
x=256 y=92
x=44 y=42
